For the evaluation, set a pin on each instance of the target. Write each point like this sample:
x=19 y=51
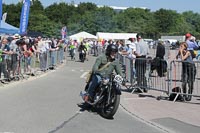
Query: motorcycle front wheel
x=108 y=110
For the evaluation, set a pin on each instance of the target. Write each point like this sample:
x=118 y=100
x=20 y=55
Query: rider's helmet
x=111 y=48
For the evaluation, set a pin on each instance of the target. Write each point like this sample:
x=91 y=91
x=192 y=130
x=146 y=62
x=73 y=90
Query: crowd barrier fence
x=145 y=74
x=30 y=66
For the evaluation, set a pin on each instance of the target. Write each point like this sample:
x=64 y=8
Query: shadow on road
x=87 y=107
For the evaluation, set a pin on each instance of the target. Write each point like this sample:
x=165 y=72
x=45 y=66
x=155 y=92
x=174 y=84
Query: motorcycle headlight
x=118 y=79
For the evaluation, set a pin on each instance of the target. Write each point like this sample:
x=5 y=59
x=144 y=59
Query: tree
x=44 y=25
x=86 y=7
x=193 y=21
x=103 y=19
x=13 y=13
x=166 y=20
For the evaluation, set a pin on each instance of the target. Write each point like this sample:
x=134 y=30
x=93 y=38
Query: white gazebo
x=82 y=35
x=115 y=36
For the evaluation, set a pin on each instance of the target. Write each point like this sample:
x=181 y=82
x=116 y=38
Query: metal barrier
x=145 y=74
x=186 y=76
x=30 y=66
x=142 y=77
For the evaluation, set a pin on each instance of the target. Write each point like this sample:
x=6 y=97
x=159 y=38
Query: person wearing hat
x=192 y=45
x=142 y=50
x=130 y=49
x=16 y=36
x=15 y=49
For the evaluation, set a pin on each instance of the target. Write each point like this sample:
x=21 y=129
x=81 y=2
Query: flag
x=1 y=9
x=24 y=17
x=64 y=32
x=4 y=16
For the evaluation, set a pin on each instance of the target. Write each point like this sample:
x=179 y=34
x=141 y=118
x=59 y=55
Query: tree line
x=90 y=18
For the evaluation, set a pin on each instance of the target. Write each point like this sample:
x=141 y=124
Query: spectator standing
x=60 y=45
x=133 y=44
x=159 y=63
x=42 y=54
x=142 y=50
x=188 y=71
x=191 y=44
x=52 y=50
x=106 y=43
x=15 y=56
x=87 y=45
x=5 y=49
x=95 y=46
x=8 y=59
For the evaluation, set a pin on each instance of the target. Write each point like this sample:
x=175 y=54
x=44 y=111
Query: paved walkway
x=181 y=117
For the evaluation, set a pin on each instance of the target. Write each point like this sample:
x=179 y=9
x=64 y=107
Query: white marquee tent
x=82 y=35
x=123 y=36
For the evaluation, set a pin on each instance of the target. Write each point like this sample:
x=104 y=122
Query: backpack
x=192 y=54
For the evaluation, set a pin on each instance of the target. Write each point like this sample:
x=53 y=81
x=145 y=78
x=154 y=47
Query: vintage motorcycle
x=107 y=96
x=82 y=55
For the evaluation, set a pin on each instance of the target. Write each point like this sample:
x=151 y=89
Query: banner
x=64 y=32
x=24 y=17
x=1 y=9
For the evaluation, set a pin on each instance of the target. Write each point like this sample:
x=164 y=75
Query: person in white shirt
x=43 y=54
x=142 y=50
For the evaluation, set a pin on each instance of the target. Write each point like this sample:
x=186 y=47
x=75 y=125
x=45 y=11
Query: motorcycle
x=107 y=96
x=82 y=55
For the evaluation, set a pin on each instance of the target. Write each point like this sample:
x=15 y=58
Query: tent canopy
x=6 y=28
x=117 y=36
x=82 y=35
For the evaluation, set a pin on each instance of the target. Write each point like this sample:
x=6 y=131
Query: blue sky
x=153 y=5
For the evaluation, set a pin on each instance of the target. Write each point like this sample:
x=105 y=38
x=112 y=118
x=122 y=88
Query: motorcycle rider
x=82 y=51
x=98 y=74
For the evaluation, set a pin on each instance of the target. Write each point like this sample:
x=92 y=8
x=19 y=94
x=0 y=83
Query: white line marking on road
x=83 y=75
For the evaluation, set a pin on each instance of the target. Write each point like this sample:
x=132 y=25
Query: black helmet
x=111 y=48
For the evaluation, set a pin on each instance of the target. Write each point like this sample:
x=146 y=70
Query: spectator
x=133 y=43
x=160 y=50
x=42 y=54
x=188 y=70
x=60 y=45
x=191 y=43
x=159 y=63
x=52 y=50
x=142 y=49
x=14 y=57
x=5 y=49
x=87 y=45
